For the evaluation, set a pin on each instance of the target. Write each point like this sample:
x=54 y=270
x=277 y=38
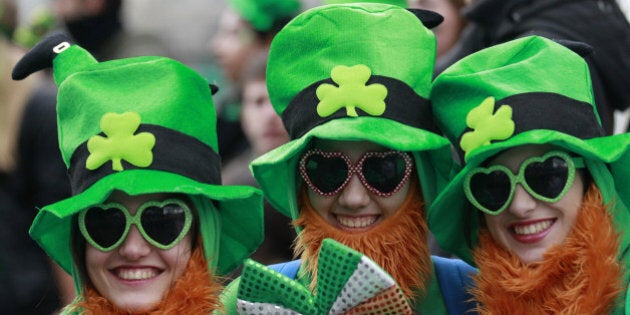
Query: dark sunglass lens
x=384 y=173
x=163 y=224
x=547 y=178
x=326 y=173
x=105 y=226
x=491 y=190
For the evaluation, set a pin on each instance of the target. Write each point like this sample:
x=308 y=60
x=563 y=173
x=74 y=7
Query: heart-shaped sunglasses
x=382 y=173
x=162 y=223
x=547 y=178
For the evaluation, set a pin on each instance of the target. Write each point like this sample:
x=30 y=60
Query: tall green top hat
x=352 y=72
x=139 y=125
x=267 y=15
x=527 y=91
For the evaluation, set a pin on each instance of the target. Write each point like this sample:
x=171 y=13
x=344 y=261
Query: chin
x=135 y=305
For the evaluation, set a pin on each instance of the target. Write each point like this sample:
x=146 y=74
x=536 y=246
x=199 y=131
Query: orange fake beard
x=398 y=244
x=580 y=276
x=195 y=292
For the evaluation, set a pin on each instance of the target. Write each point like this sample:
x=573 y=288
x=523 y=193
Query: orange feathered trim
x=196 y=292
x=398 y=244
x=580 y=276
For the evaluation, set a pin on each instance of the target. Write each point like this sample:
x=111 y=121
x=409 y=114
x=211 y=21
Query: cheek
x=95 y=261
x=391 y=204
x=571 y=203
x=493 y=222
x=319 y=203
x=178 y=256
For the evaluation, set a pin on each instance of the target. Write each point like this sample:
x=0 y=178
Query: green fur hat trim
x=354 y=72
x=140 y=125
x=527 y=91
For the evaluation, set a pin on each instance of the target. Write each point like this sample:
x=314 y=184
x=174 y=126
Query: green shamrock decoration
x=351 y=93
x=121 y=143
x=486 y=125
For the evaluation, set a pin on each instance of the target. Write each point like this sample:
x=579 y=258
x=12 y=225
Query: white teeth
x=136 y=274
x=356 y=222
x=532 y=228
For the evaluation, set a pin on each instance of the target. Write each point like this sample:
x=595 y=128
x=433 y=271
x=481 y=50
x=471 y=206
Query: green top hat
x=266 y=15
x=527 y=91
x=139 y=125
x=353 y=72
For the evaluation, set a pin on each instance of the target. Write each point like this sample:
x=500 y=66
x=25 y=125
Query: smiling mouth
x=532 y=228
x=356 y=222
x=136 y=274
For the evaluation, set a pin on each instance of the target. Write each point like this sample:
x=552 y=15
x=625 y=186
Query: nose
x=354 y=196
x=522 y=202
x=135 y=246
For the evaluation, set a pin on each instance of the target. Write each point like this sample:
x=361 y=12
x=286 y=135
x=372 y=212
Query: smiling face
x=355 y=208
x=529 y=226
x=136 y=275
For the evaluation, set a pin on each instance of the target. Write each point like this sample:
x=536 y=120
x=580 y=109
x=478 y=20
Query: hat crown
x=379 y=36
x=525 y=79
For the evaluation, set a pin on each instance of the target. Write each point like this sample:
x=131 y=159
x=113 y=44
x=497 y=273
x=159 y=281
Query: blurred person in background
x=97 y=26
x=246 y=27
x=264 y=131
x=449 y=30
x=598 y=23
x=27 y=282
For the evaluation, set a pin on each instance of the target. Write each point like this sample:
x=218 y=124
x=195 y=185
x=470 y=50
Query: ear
x=430 y=19
x=41 y=56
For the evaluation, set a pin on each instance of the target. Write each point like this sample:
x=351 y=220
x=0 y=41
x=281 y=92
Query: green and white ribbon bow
x=348 y=282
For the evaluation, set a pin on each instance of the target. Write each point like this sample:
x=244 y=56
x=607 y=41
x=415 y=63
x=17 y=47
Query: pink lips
x=531 y=231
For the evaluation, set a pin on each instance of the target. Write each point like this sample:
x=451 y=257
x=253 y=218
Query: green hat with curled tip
x=139 y=125
x=353 y=72
x=530 y=90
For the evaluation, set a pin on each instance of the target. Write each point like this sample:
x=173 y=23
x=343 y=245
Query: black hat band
x=551 y=111
x=403 y=105
x=173 y=152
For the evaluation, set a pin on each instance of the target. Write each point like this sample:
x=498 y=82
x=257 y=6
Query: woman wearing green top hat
x=539 y=206
x=149 y=227
x=351 y=83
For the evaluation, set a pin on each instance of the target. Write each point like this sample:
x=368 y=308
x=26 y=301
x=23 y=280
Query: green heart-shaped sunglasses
x=162 y=223
x=546 y=178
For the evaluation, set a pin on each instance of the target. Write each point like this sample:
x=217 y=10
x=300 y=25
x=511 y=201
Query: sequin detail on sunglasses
x=382 y=173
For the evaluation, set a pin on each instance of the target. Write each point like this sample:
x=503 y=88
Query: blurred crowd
x=229 y=48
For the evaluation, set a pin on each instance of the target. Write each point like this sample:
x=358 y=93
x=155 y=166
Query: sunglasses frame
x=355 y=169
x=519 y=178
x=137 y=221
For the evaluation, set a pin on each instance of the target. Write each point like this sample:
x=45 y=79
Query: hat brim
x=455 y=223
x=276 y=171
x=240 y=209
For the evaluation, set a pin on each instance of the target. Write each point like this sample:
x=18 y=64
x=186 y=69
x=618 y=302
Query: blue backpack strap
x=288 y=269
x=454 y=277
